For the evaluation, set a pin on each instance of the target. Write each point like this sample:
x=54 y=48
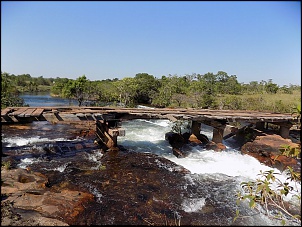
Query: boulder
x=267 y=150
x=215 y=146
x=199 y=139
x=175 y=139
x=29 y=191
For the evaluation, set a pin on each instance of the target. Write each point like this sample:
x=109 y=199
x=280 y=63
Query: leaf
x=283 y=222
x=252 y=204
x=237 y=202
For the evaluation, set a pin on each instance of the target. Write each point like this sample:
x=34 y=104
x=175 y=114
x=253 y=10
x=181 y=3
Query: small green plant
x=296 y=113
x=6 y=165
x=180 y=124
x=102 y=167
x=293 y=152
x=262 y=192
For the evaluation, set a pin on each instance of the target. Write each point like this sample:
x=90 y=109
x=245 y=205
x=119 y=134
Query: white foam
x=19 y=141
x=193 y=205
x=27 y=161
x=61 y=168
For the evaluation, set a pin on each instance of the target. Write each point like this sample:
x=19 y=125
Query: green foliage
x=272 y=88
x=231 y=102
x=180 y=125
x=263 y=192
x=215 y=91
x=146 y=88
x=6 y=165
x=296 y=113
x=58 y=85
x=127 y=91
x=9 y=92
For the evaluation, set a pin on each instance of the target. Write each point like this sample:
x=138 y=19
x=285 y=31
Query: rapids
x=143 y=183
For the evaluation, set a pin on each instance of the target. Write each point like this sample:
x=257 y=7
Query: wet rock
x=180 y=142
x=201 y=137
x=215 y=146
x=178 y=153
x=176 y=140
x=193 y=139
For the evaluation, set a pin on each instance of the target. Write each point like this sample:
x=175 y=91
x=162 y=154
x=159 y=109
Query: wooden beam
x=18 y=111
x=37 y=112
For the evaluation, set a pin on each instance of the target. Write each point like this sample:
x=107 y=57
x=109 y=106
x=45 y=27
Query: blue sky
x=254 y=40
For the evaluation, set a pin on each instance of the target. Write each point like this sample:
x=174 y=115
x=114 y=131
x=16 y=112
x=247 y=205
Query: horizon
x=256 y=41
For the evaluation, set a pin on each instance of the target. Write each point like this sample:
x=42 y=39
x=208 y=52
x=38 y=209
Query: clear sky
x=254 y=40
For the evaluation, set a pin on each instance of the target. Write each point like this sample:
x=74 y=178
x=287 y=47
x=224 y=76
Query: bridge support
x=218 y=130
x=218 y=134
x=106 y=134
x=260 y=125
x=284 y=130
x=195 y=128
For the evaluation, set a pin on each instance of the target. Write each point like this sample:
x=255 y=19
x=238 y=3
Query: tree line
x=215 y=91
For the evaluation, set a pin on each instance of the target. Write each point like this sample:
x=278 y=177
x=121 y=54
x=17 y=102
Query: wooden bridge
x=106 y=118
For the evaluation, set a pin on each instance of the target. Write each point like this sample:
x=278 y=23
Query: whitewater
x=214 y=176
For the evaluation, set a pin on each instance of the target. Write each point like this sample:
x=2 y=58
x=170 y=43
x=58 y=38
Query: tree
x=271 y=88
x=9 y=92
x=147 y=86
x=79 y=88
x=58 y=85
x=209 y=82
x=168 y=87
x=127 y=91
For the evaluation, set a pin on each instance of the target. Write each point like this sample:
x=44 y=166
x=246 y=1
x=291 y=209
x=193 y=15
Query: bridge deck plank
x=5 y=111
x=18 y=111
x=156 y=113
x=37 y=112
x=28 y=112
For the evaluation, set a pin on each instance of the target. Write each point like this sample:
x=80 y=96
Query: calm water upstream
x=44 y=99
x=208 y=193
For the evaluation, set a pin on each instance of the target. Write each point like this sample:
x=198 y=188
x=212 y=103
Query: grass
x=279 y=102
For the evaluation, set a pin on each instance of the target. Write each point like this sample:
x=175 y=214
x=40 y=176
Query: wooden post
x=218 y=134
x=260 y=125
x=284 y=130
x=196 y=128
x=106 y=135
x=102 y=133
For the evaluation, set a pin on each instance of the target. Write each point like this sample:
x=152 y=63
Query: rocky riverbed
x=128 y=188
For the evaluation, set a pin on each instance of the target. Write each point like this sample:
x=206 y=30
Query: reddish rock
x=28 y=190
x=283 y=160
x=267 y=150
x=178 y=153
x=193 y=139
x=215 y=146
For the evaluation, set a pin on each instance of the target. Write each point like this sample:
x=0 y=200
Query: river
x=208 y=193
x=45 y=99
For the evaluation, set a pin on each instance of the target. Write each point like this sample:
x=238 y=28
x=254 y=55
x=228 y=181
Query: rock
x=29 y=191
x=266 y=149
x=178 y=153
x=176 y=140
x=215 y=146
x=10 y=217
x=193 y=139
